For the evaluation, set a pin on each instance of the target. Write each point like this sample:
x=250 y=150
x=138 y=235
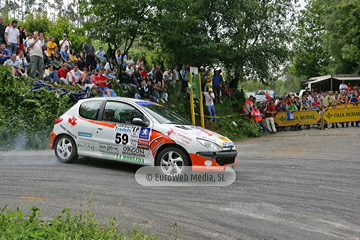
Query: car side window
x=120 y=112
x=90 y=109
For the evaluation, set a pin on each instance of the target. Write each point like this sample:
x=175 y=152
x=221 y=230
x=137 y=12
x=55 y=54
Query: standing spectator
x=65 y=42
x=167 y=77
x=209 y=103
x=24 y=65
x=268 y=98
x=350 y=88
x=2 y=30
x=185 y=78
x=130 y=73
x=100 y=54
x=255 y=113
x=208 y=80
x=315 y=104
x=22 y=38
x=216 y=83
x=343 y=87
x=159 y=74
x=292 y=108
x=4 y=53
x=36 y=56
x=160 y=92
x=12 y=37
x=248 y=107
x=90 y=54
x=51 y=47
x=129 y=60
x=203 y=77
x=26 y=45
x=118 y=56
x=176 y=75
x=270 y=114
x=281 y=106
x=325 y=101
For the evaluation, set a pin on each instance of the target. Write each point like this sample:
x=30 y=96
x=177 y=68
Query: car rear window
x=90 y=109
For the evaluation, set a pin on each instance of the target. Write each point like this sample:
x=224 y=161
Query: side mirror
x=140 y=122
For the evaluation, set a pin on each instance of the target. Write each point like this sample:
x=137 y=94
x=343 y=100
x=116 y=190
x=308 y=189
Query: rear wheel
x=65 y=149
x=172 y=161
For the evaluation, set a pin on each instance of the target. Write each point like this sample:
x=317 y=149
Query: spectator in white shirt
x=343 y=87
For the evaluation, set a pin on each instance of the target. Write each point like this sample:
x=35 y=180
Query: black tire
x=179 y=159
x=65 y=149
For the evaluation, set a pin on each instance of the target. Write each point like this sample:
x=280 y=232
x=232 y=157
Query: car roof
x=124 y=99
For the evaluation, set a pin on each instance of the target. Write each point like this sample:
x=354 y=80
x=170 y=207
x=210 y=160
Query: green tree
x=37 y=22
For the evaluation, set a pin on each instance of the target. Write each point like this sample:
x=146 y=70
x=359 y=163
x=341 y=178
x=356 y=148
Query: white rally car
x=142 y=132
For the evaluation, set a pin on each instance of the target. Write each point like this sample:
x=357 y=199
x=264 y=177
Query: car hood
x=193 y=132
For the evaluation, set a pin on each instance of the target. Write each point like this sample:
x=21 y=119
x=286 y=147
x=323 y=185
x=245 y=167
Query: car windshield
x=164 y=115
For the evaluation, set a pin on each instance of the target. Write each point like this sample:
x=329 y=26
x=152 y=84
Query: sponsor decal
x=145 y=133
x=141 y=103
x=224 y=139
x=86 y=146
x=72 y=121
x=206 y=132
x=85 y=134
x=143 y=144
x=157 y=146
x=179 y=137
x=122 y=157
x=135 y=131
x=122 y=128
x=106 y=148
x=68 y=132
x=133 y=151
x=134 y=142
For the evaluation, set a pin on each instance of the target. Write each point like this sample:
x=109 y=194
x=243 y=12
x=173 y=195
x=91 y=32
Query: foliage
x=37 y=22
x=67 y=225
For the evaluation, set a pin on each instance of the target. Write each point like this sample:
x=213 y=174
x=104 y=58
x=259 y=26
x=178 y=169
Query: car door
x=117 y=138
x=88 y=114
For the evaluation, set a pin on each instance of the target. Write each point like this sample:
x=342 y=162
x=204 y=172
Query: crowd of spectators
x=310 y=100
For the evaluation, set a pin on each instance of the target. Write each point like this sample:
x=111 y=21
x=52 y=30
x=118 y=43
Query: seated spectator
x=102 y=82
x=66 y=57
x=130 y=72
x=132 y=91
x=256 y=115
x=143 y=73
x=51 y=75
x=15 y=65
x=56 y=59
x=149 y=91
x=24 y=65
x=64 y=74
x=304 y=104
x=227 y=92
x=110 y=69
x=160 y=92
x=4 y=53
x=27 y=54
x=76 y=76
x=99 y=64
x=81 y=59
x=73 y=57
x=100 y=54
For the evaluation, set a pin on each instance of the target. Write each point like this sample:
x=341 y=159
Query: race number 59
x=121 y=138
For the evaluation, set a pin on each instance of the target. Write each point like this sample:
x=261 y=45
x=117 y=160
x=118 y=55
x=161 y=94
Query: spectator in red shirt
x=64 y=74
x=102 y=82
x=315 y=104
x=267 y=96
x=270 y=113
x=143 y=73
x=350 y=88
x=255 y=113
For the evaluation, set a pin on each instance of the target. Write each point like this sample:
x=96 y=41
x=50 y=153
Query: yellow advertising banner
x=301 y=118
x=350 y=114
x=349 y=105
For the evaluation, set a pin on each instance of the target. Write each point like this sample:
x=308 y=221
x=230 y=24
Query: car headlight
x=209 y=144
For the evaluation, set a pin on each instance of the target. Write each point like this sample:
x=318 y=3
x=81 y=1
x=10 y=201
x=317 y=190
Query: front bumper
x=219 y=160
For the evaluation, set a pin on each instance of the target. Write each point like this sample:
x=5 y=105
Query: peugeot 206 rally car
x=142 y=132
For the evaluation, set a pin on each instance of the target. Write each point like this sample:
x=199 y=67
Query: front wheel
x=65 y=149
x=172 y=161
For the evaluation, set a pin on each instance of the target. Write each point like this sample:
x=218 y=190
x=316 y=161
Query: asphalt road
x=291 y=185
